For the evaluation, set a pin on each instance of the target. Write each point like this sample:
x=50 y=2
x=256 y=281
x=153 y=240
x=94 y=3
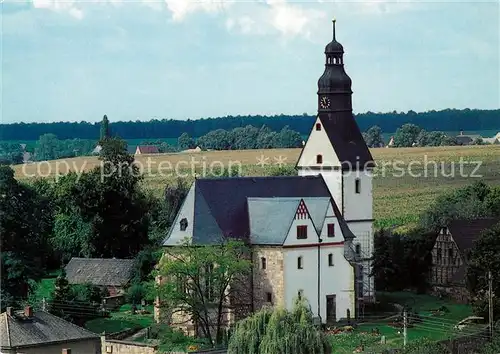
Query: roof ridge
x=255 y=177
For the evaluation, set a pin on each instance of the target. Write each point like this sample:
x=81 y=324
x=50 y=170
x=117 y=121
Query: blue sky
x=75 y=60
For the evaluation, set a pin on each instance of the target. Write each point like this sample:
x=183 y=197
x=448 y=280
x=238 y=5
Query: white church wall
x=186 y=211
x=358 y=206
x=335 y=280
x=331 y=219
x=291 y=238
x=318 y=143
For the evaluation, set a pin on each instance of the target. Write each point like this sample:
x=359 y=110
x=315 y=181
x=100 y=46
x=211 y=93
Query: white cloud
x=67 y=6
x=181 y=8
x=293 y=20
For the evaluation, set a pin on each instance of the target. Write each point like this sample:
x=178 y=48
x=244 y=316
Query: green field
x=121 y=320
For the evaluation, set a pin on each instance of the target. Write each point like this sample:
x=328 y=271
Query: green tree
x=105 y=132
x=202 y=282
x=48 y=147
x=279 y=331
x=266 y=138
x=485 y=257
x=219 y=139
x=287 y=138
x=435 y=138
x=373 y=137
x=470 y=202
x=423 y=138
x=185 y=142
x=406 y=135
x=24 y=230
x=10 y=153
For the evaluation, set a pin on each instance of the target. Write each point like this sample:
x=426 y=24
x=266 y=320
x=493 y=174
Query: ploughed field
x=406 y=180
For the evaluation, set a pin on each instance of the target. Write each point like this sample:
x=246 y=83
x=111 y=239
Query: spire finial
x=333 y=21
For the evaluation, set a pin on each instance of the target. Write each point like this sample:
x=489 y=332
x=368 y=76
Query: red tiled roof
x=148 y=149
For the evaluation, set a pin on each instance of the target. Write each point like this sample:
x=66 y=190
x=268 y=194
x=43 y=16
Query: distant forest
x=445 y=120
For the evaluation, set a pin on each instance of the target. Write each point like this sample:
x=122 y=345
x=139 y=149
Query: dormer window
x=319 y=159
x=318 y=126
x=183 y=224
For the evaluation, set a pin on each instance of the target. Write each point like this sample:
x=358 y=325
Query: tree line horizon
x=443 y=120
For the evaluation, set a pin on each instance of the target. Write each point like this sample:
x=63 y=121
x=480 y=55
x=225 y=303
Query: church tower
x=336 y=150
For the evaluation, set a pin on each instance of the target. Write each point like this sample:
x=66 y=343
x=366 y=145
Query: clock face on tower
x=324 y=102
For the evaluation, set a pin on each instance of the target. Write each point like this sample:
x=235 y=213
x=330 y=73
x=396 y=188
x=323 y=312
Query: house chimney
x=66 y=351
x=9 y=311
x=28 y=311
x=461 y=132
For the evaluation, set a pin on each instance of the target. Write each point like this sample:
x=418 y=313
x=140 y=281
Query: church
x=311 y=234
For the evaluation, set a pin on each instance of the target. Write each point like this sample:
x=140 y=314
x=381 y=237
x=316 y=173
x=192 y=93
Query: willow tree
x=276 y=331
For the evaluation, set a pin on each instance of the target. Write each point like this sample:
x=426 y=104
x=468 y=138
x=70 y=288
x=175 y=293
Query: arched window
x=318 y=126
x=330 y=260
x=319 y=159
x=263 y=262
x=358 y=249
x=299 y=263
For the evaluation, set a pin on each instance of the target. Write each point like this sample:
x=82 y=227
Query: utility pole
x=405 y=323
x=490 y=303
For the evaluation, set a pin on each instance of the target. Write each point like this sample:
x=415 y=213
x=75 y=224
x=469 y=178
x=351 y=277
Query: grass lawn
x=121 y=320
x=46 y=286
x=434 y=325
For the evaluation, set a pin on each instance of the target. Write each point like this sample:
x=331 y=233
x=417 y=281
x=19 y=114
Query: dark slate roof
x=40 y=329
x=221 y=208
x=347 y=140
x=465 y=232
x=464 y=140
x=99 y=271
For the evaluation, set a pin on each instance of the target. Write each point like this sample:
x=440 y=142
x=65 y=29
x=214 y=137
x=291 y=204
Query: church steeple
x=334 y=79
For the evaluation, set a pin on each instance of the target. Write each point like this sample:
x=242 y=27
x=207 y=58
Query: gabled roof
x=40 y=329
x=271 y=218
x=465 y=232
x=221 y=208
x=99 y=271
x=347 y=140
x=148 y=149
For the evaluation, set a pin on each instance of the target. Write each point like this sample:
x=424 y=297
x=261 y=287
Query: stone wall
x=111 y=346
x=268 y=280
